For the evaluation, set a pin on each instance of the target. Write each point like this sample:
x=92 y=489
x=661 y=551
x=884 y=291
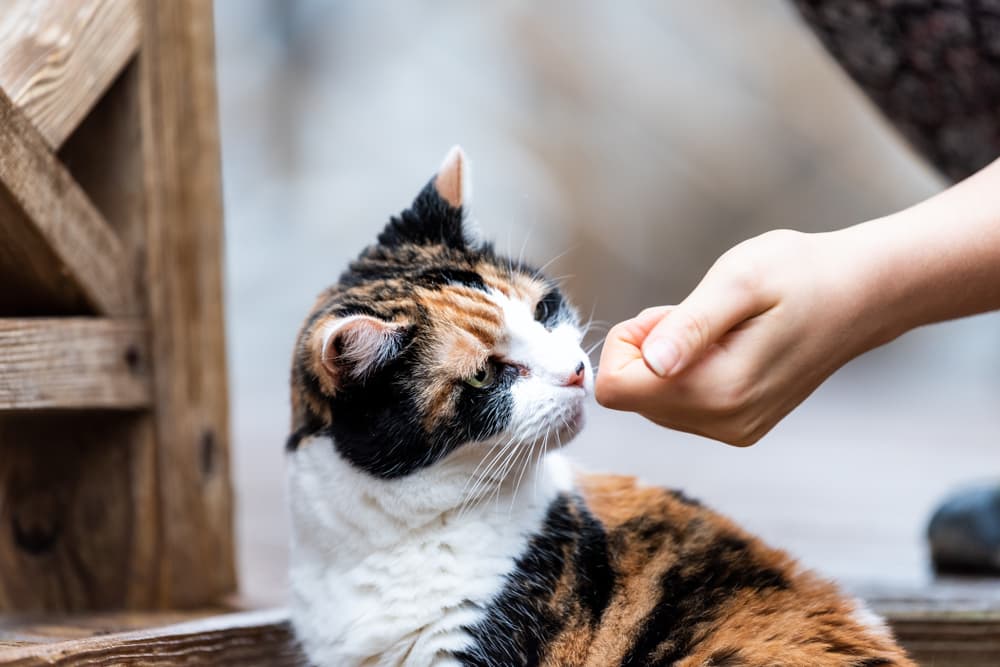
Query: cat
x=432 y=524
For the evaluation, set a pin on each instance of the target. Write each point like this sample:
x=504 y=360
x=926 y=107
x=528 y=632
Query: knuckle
x=694 y=329
x=741 y=269
x=646 y=312
x=733 y=397
x=746 y=265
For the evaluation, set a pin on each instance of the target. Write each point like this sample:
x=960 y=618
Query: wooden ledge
x=248 y=638
x=957 y=626
x=953 y=622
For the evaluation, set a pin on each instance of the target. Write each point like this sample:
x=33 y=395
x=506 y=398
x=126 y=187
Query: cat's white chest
x=377 y=583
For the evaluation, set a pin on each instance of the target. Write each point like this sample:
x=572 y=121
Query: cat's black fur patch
x=549 y=308
x=682 y=497
x=430 y=220
x=384 y=411
x=520 y=621
x=691 y=592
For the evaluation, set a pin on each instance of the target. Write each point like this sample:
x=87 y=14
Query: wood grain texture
x=77 y=512
x=57 y=57
x=28 y=629
x=73 y=363
x=184 y=277
x=950 y=640
x=51 y=230
x=954 y=622
x=265 y=638
x=251 y=638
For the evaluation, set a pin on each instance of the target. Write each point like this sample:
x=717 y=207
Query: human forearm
x=934 y=261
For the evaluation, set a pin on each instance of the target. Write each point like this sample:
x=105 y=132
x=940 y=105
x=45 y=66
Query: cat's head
x=431 y=342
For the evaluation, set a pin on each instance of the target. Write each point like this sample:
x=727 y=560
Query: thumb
x=715 y=306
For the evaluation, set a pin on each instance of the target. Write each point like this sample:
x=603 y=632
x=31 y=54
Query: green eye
x=483 y=378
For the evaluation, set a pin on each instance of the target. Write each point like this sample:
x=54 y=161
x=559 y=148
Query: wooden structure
x=114 y=466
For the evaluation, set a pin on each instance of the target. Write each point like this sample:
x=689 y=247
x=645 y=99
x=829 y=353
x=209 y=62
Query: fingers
x=722 y=300
x=623 y=376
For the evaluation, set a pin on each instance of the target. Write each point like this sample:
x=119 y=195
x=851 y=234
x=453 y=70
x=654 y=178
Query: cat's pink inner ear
x=450 y=181
x=356 y=345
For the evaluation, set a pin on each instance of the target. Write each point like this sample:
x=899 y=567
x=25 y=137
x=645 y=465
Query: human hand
x=777 y=314
x=769 y=322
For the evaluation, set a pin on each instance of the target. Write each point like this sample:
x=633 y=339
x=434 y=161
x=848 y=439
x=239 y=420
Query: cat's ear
x=348 y=349
x=437 y=215
x=452 y=182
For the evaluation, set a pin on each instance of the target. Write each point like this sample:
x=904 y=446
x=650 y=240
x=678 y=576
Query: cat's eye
x=547 y=306
x=483 y=378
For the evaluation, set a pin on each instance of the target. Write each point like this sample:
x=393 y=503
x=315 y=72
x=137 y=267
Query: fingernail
x=661 y=356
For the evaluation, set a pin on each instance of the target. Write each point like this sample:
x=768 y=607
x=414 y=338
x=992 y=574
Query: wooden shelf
x=163 y=639
x=948 y=623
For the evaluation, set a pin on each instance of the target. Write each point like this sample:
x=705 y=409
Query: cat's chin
x=573 y=423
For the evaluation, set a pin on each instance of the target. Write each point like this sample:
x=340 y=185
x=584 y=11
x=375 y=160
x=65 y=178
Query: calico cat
x=433 y=525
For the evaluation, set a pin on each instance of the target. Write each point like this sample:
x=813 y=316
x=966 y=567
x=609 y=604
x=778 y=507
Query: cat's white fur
x=389 y=572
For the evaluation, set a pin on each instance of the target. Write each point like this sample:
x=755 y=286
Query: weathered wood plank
x=45 y=210
x=78 y=510
x=73 y=363
x=27 y=629
x=944 y=640
x=184 y=277
x=947 y=622
x=265 y=638
x=250 y=638
x=58 y=57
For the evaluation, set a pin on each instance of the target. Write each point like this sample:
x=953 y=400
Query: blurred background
x=634 y=142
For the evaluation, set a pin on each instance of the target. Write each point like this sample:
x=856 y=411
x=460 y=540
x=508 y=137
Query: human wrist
x=876 y=283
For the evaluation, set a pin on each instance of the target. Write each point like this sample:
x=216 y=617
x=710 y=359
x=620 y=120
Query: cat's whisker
x=509 y=464
x=520 y=477
x=541 y=270
x=559 y=280
x=590 y=318
x=477 y=479
x=527 y=237
x=482 y=480
x=482 y=462
x=489 y=475
x=545 y=447
x=596 y=325
x=593 y=347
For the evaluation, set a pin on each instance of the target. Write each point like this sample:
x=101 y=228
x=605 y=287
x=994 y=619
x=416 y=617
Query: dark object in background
x=930 y=66
x=964 y=532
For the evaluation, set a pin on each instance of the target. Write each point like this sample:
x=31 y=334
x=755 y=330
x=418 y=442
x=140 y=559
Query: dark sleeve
x=932 y=66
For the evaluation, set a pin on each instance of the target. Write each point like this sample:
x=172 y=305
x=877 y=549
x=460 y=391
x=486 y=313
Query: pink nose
x=575 y=379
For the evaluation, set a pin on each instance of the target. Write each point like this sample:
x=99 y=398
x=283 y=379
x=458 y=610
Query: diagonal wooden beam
x=57 y=57
x=73 y=363
x=44 y=209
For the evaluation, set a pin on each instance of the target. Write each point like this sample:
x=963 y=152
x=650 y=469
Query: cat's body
x=431 y=526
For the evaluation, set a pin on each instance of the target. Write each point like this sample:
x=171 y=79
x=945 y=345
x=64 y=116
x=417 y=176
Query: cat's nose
x=575 y=379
